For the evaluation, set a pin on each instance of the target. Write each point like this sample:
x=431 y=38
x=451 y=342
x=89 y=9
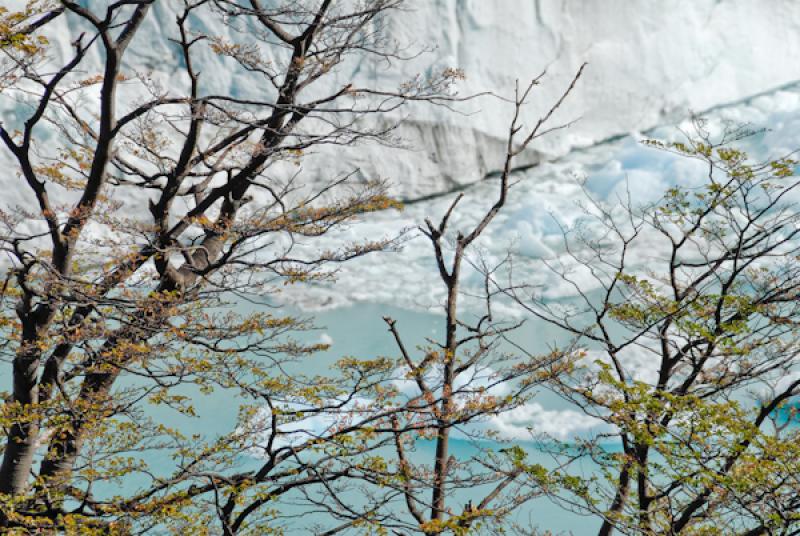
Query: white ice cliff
x=650 y=63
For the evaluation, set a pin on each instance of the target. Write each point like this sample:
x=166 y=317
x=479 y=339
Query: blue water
x=360 y=331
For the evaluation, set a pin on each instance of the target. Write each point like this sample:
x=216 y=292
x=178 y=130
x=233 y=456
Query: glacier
x=649 y=64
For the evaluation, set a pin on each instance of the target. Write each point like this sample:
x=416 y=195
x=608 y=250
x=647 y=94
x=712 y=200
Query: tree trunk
x=23 y=434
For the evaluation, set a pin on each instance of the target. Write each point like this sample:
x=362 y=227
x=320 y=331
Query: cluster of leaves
x=16 y=33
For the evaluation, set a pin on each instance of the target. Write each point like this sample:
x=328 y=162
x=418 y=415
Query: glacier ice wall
x=650 y=63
